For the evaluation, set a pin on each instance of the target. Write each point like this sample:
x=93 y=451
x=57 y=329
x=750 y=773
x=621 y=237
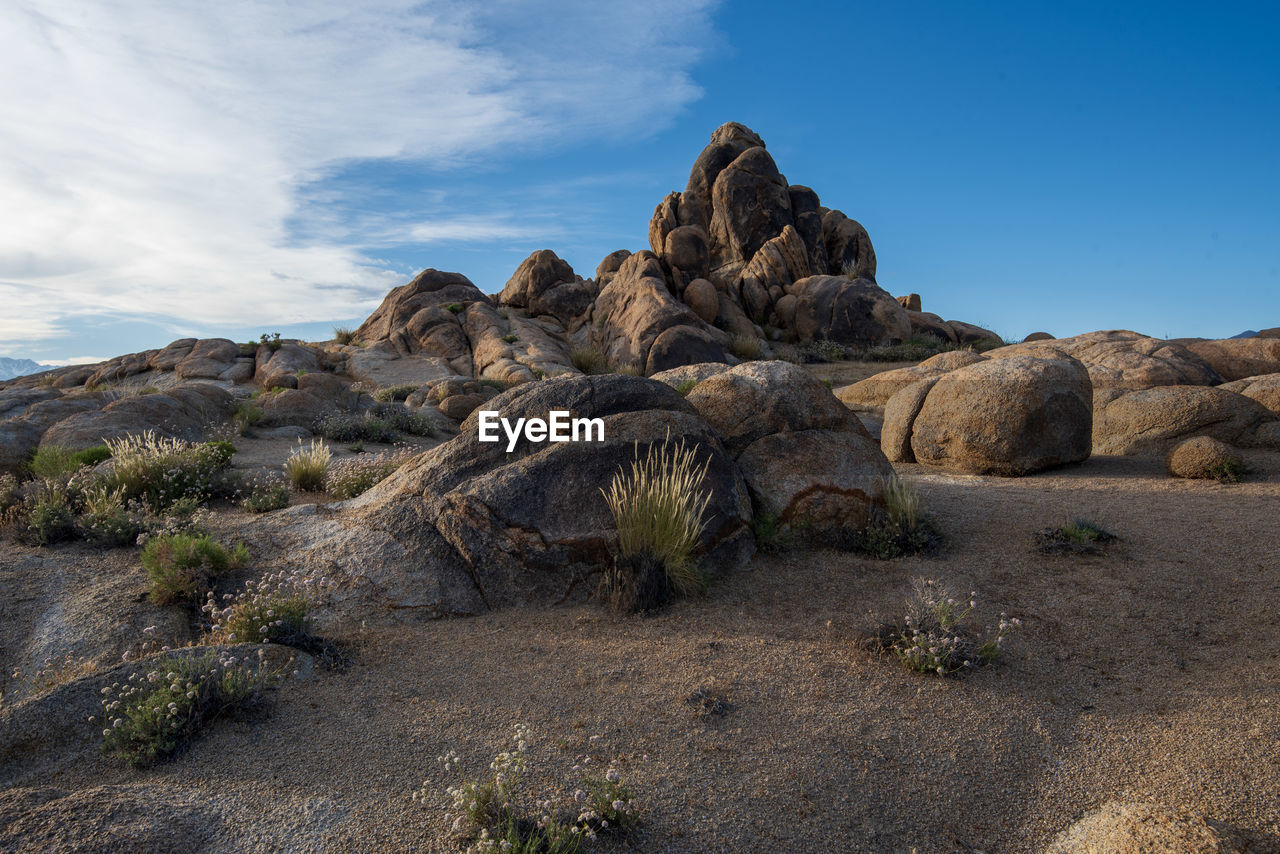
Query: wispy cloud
x=152 y=154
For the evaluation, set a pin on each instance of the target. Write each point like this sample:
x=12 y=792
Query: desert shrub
x=274 y=609
x=308 y=466
x=106 y=519
x=510 y=339
x=589 y=360
x=160 y=471
x=265 y=493
x=811 y=352
x=658 y=508
x=745 y=347
x=48 y=513
x=384 y=421
x=1228 y=471
x=769 y=533
x=630 y=369
x=247 y=416
x=496 y=814
x=340 y=427
x=180 y=566
x=343 y=335
x=353 y=476
x=53 y=461
x=1080 y=536
x=272 y=340
x=915 y=349
x=930 y=639
x=685 y=387
x=393 y=393
x=149 y=719
x=8 y=492
x=902 y=528
x=454 y=307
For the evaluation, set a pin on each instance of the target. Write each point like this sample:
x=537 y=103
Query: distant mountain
x=10 y=368
x=1248 y=333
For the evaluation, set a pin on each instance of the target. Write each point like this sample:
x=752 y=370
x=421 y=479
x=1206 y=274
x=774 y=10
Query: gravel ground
x=1146 y=673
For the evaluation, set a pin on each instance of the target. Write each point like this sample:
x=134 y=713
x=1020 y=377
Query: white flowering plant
x=150 y=716
x=930 y=638
x=494 y=815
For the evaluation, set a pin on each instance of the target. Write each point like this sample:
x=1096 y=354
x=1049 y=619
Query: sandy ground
x=1147 y=673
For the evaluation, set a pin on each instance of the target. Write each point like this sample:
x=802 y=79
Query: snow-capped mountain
x=10 y=368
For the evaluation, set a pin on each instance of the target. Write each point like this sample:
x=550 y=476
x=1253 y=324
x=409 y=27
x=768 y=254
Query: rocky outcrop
x=422 y=316
x=544 y=284
x=1151 y=421
x=1007 y=417
x=637 y=321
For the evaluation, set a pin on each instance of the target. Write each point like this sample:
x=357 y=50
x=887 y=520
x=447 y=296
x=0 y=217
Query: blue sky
x=175 y=168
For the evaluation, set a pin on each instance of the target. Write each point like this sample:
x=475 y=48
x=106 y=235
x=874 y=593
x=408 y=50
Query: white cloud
x=151 y=150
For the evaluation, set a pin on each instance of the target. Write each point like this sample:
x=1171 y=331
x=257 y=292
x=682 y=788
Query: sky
x=173 y=169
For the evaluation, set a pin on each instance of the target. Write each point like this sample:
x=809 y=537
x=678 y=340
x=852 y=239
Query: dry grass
x=308 y=467
x=659 y=510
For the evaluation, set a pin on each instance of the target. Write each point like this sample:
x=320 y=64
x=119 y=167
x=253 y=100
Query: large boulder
x=694 y=205
x=806 y=212
x=779 y=262
x=750 y=205
x=1151 y=421
x=208 y=359
x=1007 y=417
x=807 y=461
x=758 y=399
x=848 y=311
x=1123 y=359
x=281 y=366
x=1202 y=457
x=469 y=526
x=544 y=284
x=1237 y=358
x=1265 y=389
x=637 y=321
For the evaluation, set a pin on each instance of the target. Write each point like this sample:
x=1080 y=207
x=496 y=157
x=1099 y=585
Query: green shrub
x=274 y=609
x=247 y=416
x=821 y=351
x=343 y=335
x=510 y=339
x=105 y=518
x=180 y=566
x=1081 y=536
x=48 y=513
x=589 y=360
x=266 y=493
x=149 y=719
x=8 y=492
x=53 y=461
x=308 y=466
x=685 y=387
x=1229 y=471
x=658 y=508
x=394 y=393
x=454 y=307
x=160 y=471
x=917 y=348
x=902 y=528
x=272 y=340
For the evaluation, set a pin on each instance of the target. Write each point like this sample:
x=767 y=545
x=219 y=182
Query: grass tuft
x=307 y=467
